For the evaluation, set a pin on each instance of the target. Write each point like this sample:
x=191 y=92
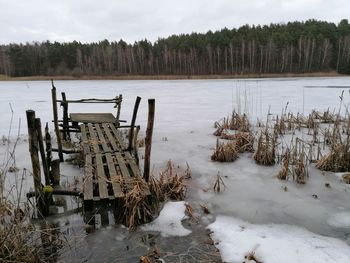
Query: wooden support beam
x=133 y=120
x=148 y=140
x=48 y=146
x=64 y=104
x=42 y=151
x=34 y=154
x=55 y=172
x=118 y=105
x=55 y=118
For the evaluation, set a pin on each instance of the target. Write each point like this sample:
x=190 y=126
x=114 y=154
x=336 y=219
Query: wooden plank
x=88 y=180
x=85 y=142
x=134 y=168
x=92 y=117
x=123 y=168
x=114 y=176
x=102 y=139
x=101 y=177
x=110 y=137
x=117 y=135
x=93 y=138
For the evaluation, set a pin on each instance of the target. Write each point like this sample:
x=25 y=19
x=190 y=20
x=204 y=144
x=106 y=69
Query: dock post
x=55 y=119
x=34 y=154
x=48 y=147
x=148 y=140
x=55 y=172
x=64 y=104
x=42 y=150
x=118 y=106
x=133 y=120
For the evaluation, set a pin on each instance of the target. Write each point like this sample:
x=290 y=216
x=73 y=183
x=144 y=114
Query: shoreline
x=174 y=77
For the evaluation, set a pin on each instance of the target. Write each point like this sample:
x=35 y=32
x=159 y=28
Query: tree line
x=294 y=47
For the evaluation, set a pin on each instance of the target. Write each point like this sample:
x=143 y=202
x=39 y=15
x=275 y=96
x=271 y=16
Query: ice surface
x=274 y=243
x=168 y=223
x=185 y=113
x=340 y=220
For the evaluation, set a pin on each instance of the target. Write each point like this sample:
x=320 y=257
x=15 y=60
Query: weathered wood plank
x=93 y=138
x=123 y=168
x=131 y=161
x=118 y=136
x=84 y=138
x=101 y=177
x=110 y=137
x=114 y=177
x=102 y=139
x=88 y=179
x=92 y=117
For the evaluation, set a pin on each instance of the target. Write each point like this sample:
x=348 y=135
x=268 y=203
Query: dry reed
x=225 y=152
x=265 y=153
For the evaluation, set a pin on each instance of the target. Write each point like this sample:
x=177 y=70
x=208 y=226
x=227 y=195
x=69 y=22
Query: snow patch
x=275 y=243
x=168 y=223
x=340 y=220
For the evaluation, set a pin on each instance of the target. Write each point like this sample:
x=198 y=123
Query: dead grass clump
x=300 y=171
x=236 y=122
x=265 y=153
x=239 y=122
x=338 y=160
x=284 y=172
x=20 y=241
x=137 y=209
x=346 y=178
x=171 y=183
x=225 y=152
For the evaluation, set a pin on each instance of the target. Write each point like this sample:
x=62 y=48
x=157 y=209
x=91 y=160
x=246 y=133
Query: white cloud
x=89 y=20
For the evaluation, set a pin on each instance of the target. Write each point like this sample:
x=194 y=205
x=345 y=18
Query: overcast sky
x=94 y=20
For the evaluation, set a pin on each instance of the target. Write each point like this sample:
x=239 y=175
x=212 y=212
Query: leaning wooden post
x=34 y=154
x=55 y=119
x=64 y=104
x=118 y=105
x=42 y=150
x=133 y=120
x=48 y=149
x=148 y=140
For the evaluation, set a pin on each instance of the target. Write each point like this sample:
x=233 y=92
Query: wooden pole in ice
x=148 y=140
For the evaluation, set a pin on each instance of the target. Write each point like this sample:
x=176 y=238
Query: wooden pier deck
x=112 y=178
x=110 y=169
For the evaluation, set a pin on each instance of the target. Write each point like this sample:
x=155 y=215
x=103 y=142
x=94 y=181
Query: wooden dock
x=111 y=170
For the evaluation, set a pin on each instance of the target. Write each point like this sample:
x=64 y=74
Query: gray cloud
x=89 y=20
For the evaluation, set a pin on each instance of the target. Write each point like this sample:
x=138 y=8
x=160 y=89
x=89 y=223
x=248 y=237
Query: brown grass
x=225 y=152
x=265 y=153
x=137 y=208
x=346 y=178
x=171 y=183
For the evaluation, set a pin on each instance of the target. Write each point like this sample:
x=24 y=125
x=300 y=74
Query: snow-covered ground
x=185 y=113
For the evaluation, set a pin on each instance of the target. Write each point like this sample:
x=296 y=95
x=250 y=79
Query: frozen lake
x=185 y=113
